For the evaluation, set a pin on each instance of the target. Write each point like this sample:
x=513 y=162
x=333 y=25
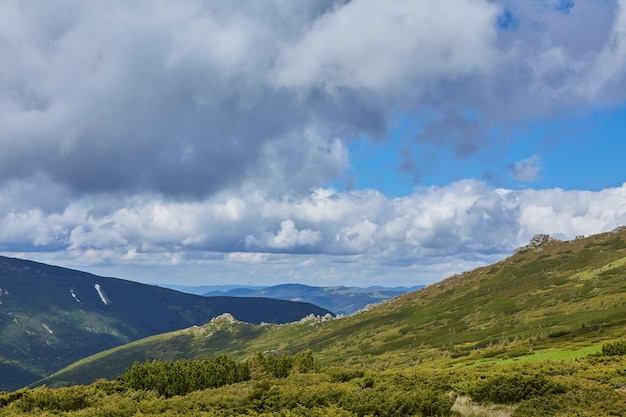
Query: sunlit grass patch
x=467 y=408
x=590 y=274
x=554 y=355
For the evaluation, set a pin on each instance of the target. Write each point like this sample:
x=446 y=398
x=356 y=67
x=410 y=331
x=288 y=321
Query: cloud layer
x=187 y=100
x=454 y=227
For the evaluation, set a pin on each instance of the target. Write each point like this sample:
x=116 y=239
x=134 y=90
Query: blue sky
x=583 y=151
x=325 y=142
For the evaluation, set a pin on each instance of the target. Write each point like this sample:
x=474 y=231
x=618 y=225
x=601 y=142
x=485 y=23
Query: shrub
x=59 y=399
x=7 y=398
x=184 y=376
x=588 y=400
x=270 y=364
x=304 y=362
x=558 y=333
x=514 y=388
x=344 y=374
x=614 y=349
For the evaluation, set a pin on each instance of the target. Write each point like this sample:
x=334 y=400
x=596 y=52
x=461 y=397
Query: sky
x=322 y=142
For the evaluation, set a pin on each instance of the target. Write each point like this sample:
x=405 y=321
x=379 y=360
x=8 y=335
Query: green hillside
x=551 y=300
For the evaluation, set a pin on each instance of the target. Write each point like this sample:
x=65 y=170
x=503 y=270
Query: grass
x=590 y=274
x=552 y=354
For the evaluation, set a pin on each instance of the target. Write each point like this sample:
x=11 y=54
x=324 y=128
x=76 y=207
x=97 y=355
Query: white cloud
x=357 y=238
x=465 y=223
x=154 y=96
x=572 y=213
x=527 y=169
x=288 y=237
x=248 y=257
x=608 y=69
x=364 y=46
x=102 y=238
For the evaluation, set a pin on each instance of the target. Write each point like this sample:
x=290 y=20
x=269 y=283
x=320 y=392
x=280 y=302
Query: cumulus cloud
x=288 y=237
x=363 y=46
x=434 y=231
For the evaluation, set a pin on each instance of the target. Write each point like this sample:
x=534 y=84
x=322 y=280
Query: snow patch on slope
x=73 y=292
x=102 y=295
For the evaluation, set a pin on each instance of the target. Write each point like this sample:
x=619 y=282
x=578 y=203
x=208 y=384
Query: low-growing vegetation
x=614 y=349
x=272 y=385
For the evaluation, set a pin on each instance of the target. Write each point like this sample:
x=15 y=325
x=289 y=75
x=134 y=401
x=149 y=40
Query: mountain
x=205 y=289
x=550 y=299
x=52 y=316
x=340 y=300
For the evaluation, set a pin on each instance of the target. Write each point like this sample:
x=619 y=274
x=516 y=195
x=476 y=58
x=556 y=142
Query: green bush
x=513 y=388
x=271 y=364
x=614 y=349
x=184 y=376
x=558 y=333
x=304 y=362
x=459 y=354
x=59 y=399
x=344 y=374
x=588 y=400
x=390 y=396
x=7 y=398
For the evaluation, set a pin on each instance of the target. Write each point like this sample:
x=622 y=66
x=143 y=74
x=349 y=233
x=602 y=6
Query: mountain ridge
x=338 y=299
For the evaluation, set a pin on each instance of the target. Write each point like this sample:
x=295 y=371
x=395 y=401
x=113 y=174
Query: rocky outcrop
x=536 y=243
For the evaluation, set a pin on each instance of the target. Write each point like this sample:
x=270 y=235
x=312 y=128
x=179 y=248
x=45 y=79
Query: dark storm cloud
x=157 y=96
x=190 y=98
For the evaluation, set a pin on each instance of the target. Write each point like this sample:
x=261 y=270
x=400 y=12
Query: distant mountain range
x=52 y=316
x=340 y=300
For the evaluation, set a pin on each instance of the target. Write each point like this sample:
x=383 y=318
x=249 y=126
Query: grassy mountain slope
x=51 y=316
x=554 y=299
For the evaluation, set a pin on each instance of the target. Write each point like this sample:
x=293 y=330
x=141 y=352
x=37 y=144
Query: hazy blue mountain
x=204 y=289
x=340 y=300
